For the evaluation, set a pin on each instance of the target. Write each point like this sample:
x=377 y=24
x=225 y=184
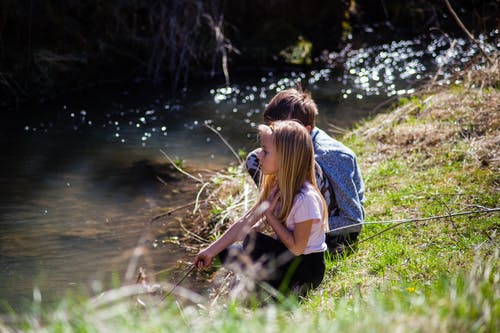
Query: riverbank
x=434 y=154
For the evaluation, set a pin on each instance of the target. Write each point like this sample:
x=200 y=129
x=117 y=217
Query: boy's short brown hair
x=293 y=103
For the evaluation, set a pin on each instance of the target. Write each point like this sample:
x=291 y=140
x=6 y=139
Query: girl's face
x=267 y=155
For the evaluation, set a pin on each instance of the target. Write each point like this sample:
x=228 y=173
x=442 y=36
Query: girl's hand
x=203 y=259
x=273 y=199
x=275 y=191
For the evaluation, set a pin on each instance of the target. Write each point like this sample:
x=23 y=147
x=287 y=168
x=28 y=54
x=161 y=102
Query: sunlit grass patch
x=424 y=164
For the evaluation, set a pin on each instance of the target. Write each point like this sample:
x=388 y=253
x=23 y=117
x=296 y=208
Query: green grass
x=461 y=302
x=433 y=276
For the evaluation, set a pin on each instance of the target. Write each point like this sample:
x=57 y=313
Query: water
x=79 y=174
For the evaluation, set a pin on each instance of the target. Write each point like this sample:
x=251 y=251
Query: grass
x=432 y=155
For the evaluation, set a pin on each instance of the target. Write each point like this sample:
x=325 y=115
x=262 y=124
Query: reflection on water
x=79 y=178
x=72 y=210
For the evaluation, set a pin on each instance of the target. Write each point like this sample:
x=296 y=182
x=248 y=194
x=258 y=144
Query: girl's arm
x=234 y=233
x=295 y=241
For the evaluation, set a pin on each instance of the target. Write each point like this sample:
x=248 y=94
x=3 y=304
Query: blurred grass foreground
x=433 y=154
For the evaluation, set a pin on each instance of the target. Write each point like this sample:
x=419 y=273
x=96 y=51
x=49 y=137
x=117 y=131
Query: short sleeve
x=306 y=207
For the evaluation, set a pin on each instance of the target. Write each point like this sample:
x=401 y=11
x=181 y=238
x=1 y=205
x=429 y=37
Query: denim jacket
x=346 y=186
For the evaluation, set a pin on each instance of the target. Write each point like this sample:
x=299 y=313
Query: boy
x=337 y=172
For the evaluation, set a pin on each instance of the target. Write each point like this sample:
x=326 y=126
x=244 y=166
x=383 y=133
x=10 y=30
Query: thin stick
x=179 y=169
x=379 y=233
x=197 y=237
x=223 y=140
x=221 y=289
x=179 y=282
x=172 y=210
x=397 y=222
x=445 y=61
x=462 y=26
x=382 y=104
x=197 y=202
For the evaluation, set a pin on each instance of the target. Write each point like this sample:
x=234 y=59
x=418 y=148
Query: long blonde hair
x=295 y=157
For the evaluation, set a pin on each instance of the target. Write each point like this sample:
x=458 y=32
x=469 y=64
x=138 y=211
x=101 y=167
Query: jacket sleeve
x=347 y=186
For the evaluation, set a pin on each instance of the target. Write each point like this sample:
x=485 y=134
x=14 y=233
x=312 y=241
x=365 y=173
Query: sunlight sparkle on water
x=391 y=69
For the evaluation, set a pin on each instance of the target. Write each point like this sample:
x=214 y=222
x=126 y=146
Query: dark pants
x=279 y=267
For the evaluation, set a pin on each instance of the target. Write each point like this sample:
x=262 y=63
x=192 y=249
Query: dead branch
x=225 y=141
x=171 y=211
x=469 y=35
x=422 y=219
x=180 y=169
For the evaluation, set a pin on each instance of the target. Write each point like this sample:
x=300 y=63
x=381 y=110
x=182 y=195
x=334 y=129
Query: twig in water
x=334 y=128
x=161 y=180
x=224 y=140
x=180 y=170
x=384 y=103
x=171 y=211
x=139 y=251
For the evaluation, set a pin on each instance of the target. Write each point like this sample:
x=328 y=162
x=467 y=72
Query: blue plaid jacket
x=345 y=185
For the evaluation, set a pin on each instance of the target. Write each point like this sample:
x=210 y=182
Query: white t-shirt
x=307 y=205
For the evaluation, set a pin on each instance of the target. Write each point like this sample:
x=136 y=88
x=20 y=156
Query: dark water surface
x=79 y=174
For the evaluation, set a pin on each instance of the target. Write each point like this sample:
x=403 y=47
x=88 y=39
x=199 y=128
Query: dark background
x=49 y=47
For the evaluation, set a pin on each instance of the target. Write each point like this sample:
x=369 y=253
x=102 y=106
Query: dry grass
x=470 y=112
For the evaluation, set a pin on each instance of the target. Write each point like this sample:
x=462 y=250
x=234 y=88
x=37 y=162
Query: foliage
x=298 y=53
x=46 y=41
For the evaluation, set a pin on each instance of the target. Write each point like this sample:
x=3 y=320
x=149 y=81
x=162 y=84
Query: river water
x=80 y=173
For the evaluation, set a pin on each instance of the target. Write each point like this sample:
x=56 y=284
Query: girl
x=291 y=204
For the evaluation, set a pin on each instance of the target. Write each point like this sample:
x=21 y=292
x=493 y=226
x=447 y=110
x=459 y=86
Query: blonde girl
x=291 y=204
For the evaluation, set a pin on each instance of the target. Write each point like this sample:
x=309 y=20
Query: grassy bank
x=434 y=154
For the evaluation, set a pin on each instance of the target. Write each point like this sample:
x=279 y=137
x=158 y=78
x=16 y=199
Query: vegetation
x=434 y=154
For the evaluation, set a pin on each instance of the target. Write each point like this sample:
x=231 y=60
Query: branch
x=171 y=211
x=197 y=202
x=223 y=140
x=399 y=222
x=462 y=26
x=180 y=170
x=421 y=219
